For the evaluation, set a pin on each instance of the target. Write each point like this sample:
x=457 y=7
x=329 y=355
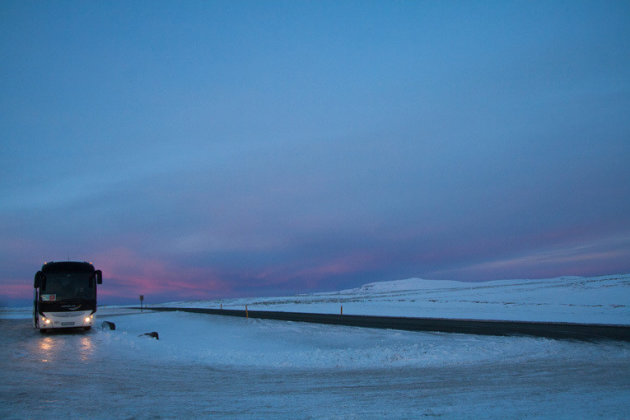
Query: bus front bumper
x=66 y=319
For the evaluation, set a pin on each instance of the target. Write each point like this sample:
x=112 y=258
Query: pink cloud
x=342 y=265
x=127 y=274
x=16 y=289
x=311 y=275
x=565 y=261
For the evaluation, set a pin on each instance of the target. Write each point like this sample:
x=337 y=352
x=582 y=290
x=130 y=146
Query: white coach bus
x=65 y=295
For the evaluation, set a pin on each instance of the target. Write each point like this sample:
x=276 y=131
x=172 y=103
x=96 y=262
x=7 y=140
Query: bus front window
x=69 y=286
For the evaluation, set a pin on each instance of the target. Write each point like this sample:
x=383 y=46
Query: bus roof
x=64 y=266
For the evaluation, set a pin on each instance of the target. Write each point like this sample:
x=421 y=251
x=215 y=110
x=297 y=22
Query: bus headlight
x=46 y=320
x=88 y=319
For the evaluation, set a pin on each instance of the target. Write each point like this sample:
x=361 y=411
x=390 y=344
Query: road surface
x=559 y=330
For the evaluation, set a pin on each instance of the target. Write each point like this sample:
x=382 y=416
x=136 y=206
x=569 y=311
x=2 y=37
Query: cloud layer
x=221 y=149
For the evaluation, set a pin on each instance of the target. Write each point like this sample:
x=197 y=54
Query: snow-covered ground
x=603 y=300
x=249 y=343
x=216 y=366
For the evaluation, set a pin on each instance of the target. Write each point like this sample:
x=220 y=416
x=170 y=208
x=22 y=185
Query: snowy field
x=599 y=300
x=225 y=367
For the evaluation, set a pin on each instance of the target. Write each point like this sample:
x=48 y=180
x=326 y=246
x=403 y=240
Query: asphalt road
x=556 y=330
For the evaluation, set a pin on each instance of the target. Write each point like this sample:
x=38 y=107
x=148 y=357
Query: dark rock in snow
x=108 y=325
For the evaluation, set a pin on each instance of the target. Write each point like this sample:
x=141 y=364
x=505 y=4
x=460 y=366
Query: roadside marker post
x=141 y=299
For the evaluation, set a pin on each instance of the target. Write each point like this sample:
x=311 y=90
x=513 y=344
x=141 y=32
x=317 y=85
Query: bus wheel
x=43 y=331
x=87 y=328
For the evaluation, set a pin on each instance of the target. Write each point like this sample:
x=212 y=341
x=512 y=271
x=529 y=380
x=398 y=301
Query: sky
x=210 y=149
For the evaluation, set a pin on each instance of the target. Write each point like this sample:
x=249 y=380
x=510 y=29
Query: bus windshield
x=63 y=286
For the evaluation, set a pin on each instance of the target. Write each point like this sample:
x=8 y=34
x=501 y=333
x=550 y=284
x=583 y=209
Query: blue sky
x=221 y=148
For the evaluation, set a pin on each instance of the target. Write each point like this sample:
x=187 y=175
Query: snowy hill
x=603 y=299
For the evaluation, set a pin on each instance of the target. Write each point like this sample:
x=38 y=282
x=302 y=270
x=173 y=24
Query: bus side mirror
x=99 y=277
x=40 y=281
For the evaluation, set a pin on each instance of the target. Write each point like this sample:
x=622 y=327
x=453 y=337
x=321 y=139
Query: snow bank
x=219 y=341
x=16 y=313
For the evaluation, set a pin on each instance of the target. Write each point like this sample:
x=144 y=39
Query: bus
x=65 y=295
